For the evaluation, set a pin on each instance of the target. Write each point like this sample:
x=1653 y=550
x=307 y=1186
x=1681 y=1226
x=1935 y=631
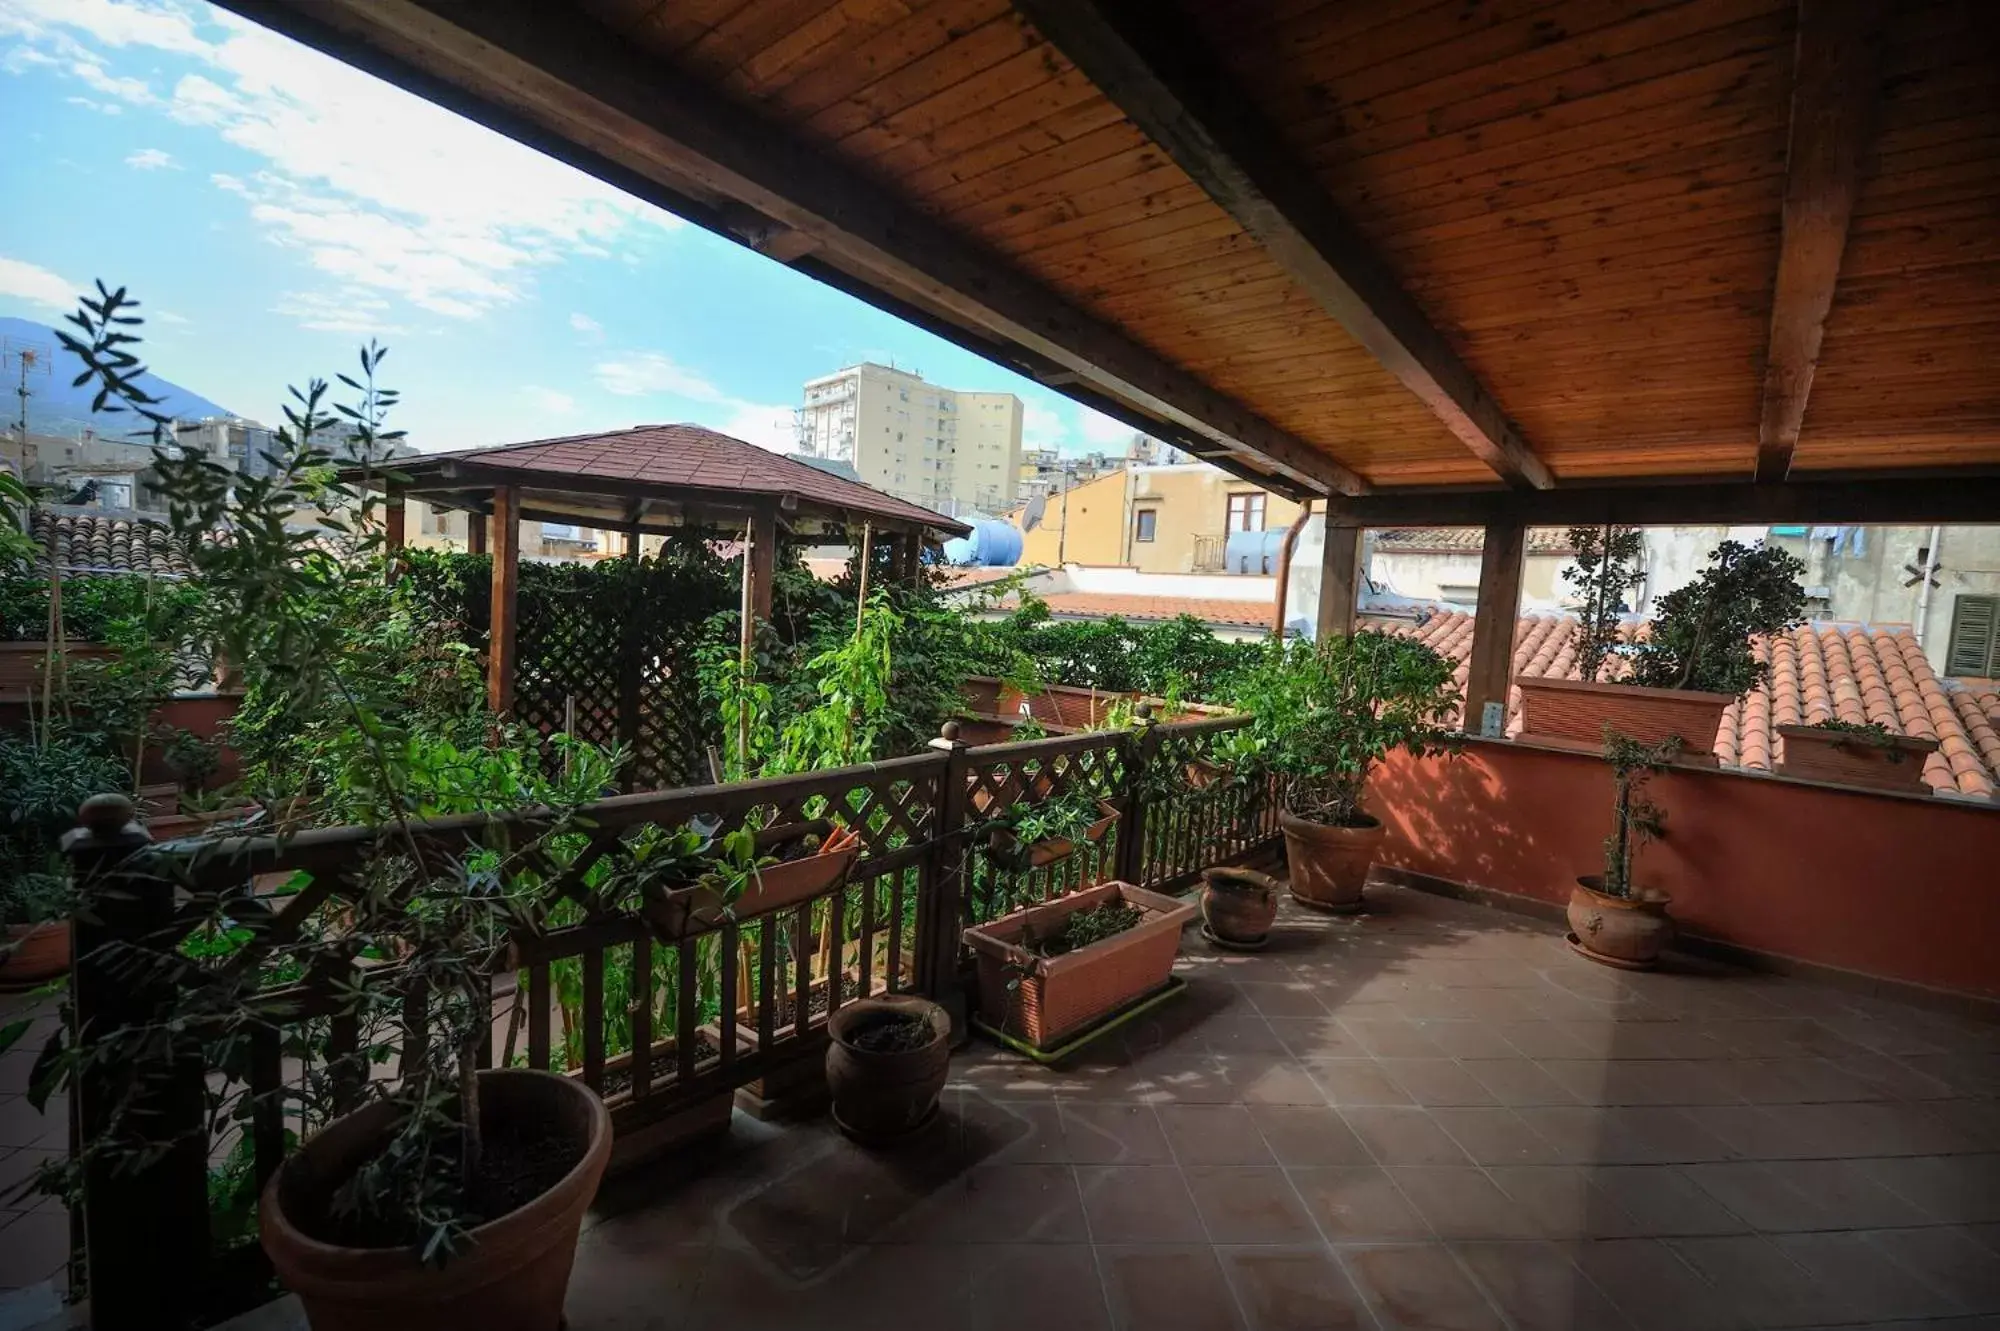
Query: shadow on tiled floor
x=1430 y=1116
x=1433 y=1115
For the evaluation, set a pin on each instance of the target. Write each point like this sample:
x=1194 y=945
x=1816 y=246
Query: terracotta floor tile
x=1859 y=1280
x=1421 y=1286
x=1782 y=1195
x=1248 y=1204
x=1138 y=1204
x=1358 y=1204
x=1391 y=1037
x=1403 y=1136
x=1949 y=1259
x=1758 y=1277
x=1494 y=1135
x=1541 y=1038
x=1461 y=1202
x=1663 y=1201
x=1103 y=1133
x=1483 y=1038
x=1294 y=1290
x=1270 y=1079
x=1316 y=1037
x=1560 y=1201
x=1436 y=1081
x=1246 y=1034
x=1539 y=1288
x=1000 y=1204
x=1299 y=1135
x=1214 y=1135
x=1950 y=1189
x=1656 y=1288
x=1518 y=1081
x=1046 y=1287
x=1167 y=1289
x=1296 y=999
x=1355 y=1081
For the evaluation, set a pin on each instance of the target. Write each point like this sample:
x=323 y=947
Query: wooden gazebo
x=1498 y=264
x=648 y=480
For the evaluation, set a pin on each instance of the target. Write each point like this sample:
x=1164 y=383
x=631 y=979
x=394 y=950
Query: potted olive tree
x=1326 y=713
x=1675 y=680
x=1857 y=753
x=1612 y=918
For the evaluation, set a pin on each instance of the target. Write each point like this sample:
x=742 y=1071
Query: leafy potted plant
x=1676 y=680
x=1237 y=907
x=1048 y=972
x=1326 y=713
x=44 y=777
x=886 y=1063
x=1612 y=919
x=1033 y=834
x=1856 y=753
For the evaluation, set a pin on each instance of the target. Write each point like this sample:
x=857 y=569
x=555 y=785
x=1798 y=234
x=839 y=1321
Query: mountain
x=56 y=408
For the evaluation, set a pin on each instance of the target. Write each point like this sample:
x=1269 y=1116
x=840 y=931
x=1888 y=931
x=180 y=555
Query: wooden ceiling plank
x=1835 y=87
x=1156 y=73
x=522 y=61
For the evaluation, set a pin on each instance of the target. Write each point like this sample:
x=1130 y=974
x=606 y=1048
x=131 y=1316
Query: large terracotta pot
x=1042 y=1000
x=1329 y=865
x=880 y=1095
x=1628 y=932
x=39 y=952
x=1572 y=713
x=516 y=1271
x=1237 y=907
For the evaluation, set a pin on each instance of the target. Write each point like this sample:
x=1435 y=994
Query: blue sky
x=272 y=208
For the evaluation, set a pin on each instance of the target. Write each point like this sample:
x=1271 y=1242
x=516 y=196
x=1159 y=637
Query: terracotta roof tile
x=1245 y=614
x=1464 y=540
x=92 y=543
x=693 y=457
x=1817 y=671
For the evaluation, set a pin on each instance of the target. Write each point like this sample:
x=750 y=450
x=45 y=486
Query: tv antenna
x=24 y=361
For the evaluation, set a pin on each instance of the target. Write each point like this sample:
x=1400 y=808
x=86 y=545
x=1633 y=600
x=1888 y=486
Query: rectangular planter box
x=1572 y=714
x=1059 y=996
x=1848 y=760
x=22 y=663
x=686 y=911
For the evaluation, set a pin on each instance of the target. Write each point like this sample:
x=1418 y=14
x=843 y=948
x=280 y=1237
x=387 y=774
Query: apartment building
x=953 y=452
x=1176 y=518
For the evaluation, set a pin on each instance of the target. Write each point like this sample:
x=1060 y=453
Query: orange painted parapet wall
x=1893 y=887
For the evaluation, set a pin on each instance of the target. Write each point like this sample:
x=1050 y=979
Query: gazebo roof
x=652 y=477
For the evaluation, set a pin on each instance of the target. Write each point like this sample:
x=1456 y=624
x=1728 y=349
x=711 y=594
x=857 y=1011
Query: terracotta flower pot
x=1813 y=754
x=1237 y=907
x=1329 y=865
x=38 y=953
x=777 y=886
x=1628 y=932
x=513 y=1275
x=880 y=1095
x=1044 y=999
x=1571 y=713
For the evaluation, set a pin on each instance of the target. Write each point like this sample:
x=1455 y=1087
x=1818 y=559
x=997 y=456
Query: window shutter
x=1973 y=649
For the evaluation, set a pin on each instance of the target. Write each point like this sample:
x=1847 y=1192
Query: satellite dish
x=1033 y=510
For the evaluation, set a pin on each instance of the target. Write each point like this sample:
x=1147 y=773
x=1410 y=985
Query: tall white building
x=955 y=453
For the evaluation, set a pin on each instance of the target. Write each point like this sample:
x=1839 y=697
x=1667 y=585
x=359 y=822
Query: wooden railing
x=656 y=1019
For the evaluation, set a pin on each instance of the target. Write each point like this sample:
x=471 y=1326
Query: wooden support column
x=763 y=557
x=1339 y=580
x=1490 y=673
x=394 y=515
x=632 y=543
x=475 y=533
x=506 y=535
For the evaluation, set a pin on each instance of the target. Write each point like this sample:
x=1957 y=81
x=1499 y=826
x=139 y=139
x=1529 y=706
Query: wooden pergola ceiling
x=1342 y=245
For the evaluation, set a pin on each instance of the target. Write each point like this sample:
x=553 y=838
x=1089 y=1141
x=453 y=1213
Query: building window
x=1974 y=645
x=1144 y=522
x=1246 y=512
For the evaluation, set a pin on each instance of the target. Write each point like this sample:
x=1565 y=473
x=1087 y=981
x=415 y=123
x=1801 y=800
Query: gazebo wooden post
x=506 y=535
x=861 y=588
x=475 y=533
x=1490 y=665
x=1340 y=576
x=394 y=514
x=761 y=561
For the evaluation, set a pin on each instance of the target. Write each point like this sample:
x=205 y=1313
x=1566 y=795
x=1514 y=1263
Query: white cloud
x=648 y=372
x=551 y=401
x=588 y=326
x=1041 y=426
x=152 y=159
x=385 y=193
x=768 y=427
x=168 y=317
x=1100 y=431
x=37 y=286
x=339 y=312
x=104 y=108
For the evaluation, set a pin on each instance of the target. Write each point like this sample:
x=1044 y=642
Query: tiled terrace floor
x=1430 y=1116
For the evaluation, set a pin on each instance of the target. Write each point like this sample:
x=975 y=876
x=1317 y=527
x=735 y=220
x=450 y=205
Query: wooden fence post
x=1140 y=751
x=145 y=1229
x=940 y=915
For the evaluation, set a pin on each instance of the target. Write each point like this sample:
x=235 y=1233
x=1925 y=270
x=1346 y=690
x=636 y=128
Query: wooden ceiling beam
x=1159 y=73
x=1946 y=497
x=540 y=71
x=1836 y=82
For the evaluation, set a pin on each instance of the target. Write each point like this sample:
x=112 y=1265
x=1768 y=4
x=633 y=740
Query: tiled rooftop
x=1431 y=1115
x=98 y=543
x=1464 y=540
x=1818 y=671
x=1210 y=610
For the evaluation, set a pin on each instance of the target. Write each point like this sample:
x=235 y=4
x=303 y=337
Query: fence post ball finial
x=105 y=815
x=949 y=730
x=1144 y=711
